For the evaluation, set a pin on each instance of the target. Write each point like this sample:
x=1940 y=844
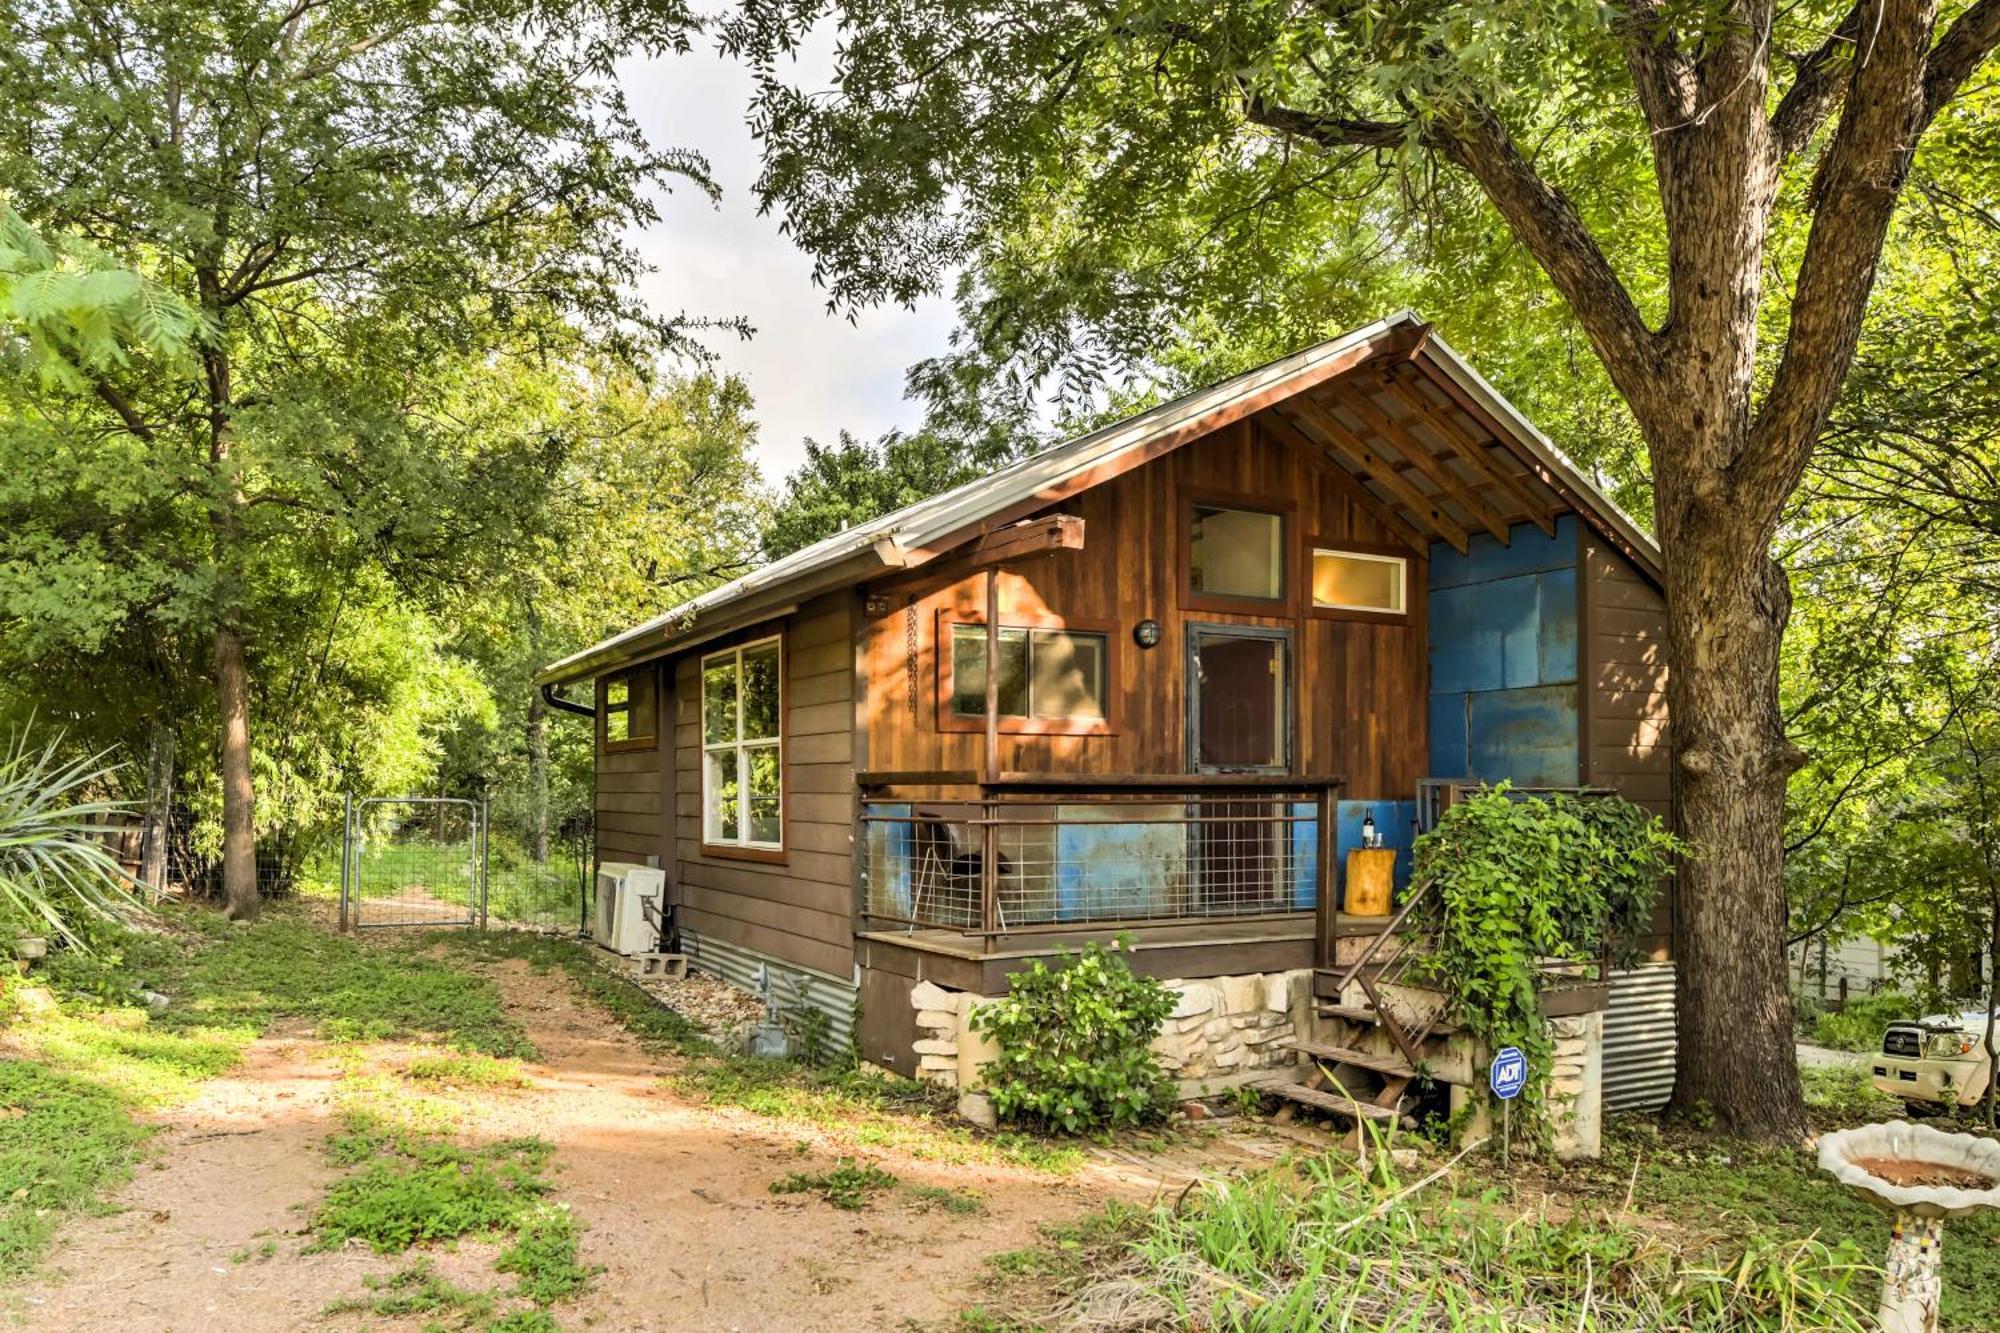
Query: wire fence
x=404 y=860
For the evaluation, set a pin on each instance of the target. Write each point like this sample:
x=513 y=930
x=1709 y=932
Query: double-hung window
x=742 y=772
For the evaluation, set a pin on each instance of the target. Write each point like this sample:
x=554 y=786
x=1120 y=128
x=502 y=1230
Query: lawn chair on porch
x=946 y=866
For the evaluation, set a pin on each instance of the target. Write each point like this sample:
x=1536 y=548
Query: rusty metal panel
x=1527 y=736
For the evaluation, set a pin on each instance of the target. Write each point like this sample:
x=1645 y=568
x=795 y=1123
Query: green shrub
x=1076 y=1044
x=1858 y=1025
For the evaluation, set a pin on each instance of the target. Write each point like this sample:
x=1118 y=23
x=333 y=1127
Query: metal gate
x=413 y=861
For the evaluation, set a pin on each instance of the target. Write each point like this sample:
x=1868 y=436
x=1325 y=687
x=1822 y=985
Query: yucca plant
x=52 y=867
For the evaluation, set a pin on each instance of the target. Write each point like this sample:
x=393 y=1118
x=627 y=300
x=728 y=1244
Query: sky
x=812 y=373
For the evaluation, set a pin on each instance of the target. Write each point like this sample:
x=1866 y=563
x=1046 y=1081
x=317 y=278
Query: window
x=1359 y=581
x=1053 y=675
x=628 y=710
x=742 y=793
x=1235 y=554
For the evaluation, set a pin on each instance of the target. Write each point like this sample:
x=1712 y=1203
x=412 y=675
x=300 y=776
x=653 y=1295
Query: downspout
x=552 y=696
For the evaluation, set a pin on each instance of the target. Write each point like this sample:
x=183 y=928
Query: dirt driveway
x=675 y=1194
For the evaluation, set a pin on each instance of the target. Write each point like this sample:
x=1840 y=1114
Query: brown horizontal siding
x=627 y=802
x=799 y=910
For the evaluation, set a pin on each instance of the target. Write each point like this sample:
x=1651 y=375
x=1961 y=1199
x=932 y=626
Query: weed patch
x=466 y=1070
x=543 y=1256
x=846 y=1186
x=959 y=1203
x=416 y=1290
x=444 y=1192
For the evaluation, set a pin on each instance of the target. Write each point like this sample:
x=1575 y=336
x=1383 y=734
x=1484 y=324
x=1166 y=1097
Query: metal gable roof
x=912 y=535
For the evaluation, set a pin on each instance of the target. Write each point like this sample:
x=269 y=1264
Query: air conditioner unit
x=623 y=888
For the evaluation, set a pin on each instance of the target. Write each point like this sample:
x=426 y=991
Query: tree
x=366 y=201
x=1156 y=137
x=853 y=481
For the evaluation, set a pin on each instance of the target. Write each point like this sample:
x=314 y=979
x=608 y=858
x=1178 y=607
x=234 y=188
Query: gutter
x=552 y=696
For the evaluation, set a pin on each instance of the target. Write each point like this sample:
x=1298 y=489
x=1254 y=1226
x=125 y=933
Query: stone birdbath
x=1921 y=1176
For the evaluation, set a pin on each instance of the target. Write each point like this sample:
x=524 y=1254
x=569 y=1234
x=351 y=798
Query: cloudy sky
x=812 y=373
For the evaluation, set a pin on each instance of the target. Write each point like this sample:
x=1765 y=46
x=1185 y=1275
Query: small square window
x=1359 y=581
x=628 y=709
x=1236 y=553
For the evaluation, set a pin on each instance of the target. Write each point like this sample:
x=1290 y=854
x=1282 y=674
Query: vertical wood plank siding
x=1624 y=660
x=1359 y=687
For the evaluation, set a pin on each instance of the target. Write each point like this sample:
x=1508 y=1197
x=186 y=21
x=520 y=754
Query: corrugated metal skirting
x=737 y=965
x=1639 y=1039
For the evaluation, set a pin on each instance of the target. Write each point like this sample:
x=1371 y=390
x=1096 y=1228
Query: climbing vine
x=1520 y=883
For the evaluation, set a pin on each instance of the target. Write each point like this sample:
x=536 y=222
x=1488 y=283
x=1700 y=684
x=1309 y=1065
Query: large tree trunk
x=1727 y=608
x=159 y=809
x=538 y=777
x=239 y=810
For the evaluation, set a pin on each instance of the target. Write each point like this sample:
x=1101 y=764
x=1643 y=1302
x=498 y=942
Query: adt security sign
x=1509 y=1073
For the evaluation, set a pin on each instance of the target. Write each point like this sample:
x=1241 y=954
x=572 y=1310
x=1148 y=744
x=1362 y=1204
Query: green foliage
x=64 y=1142
x=54 y=872
x=1075 y=1044
x=466 y=1069
x=1516 y=883
x=1858 y=1026
x=959 y=1203
x=438 y=1193
x=853 y=481
x=543 y=1256
x=846 y=1185
x=416 y=1290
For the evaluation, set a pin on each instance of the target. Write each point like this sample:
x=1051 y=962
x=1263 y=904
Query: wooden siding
x=1359 y=687
x=799 y=909
x=1624 y=667
x=628 y=793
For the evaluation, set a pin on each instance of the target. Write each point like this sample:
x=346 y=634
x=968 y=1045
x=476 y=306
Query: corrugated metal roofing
x=903 y=536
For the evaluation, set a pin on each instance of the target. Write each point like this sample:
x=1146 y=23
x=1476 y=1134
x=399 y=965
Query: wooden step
x=1347 y=1055
x=1326 y=1101
x=1353 y=1013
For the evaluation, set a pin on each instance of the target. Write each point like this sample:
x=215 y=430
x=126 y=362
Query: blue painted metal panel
x=1556 y=646
x=1448 y=755
x=1529 y=551
x=1528 y=737
x=1485 y=636
x=1112 y=867
x=889 y=856
x=1305 y=855
x=1396 y=821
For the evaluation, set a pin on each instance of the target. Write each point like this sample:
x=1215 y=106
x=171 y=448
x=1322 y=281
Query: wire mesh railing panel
x=997 y=866
x=413 y=861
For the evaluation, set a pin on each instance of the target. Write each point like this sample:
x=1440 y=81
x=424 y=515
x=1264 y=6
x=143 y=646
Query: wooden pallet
x=1321 y=1099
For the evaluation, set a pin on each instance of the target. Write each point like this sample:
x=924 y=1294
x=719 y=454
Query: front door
x=1239 y=699
x=1239 y=721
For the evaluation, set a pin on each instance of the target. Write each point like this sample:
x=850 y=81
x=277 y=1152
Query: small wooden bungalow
x=1237 y=635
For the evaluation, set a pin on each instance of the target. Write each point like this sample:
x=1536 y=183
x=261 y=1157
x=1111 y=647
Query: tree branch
x=1816 y=88
x=1662 y=73
x=1328 y=131
x=1549 y=225
x=1963 y=48
x=127 y=413
x=1855 y=194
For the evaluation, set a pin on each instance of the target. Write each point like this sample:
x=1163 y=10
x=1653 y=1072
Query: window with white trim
x=742 y=771
x=1359 y=581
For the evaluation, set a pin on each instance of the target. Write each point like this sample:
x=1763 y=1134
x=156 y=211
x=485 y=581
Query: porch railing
x=1053 y=856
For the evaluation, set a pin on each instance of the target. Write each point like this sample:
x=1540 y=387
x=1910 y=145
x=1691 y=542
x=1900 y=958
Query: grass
x=848 y=1185
x=466 y=1069
x=1322 y=1243
x=416 y=1290
x=635 y=1010
x=435 y=1192
x=959 y=1203
x=543 y=1256
x=1721 y=1192
x=64 y=1142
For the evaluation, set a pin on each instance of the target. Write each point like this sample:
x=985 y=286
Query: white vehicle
x=1935 y=1062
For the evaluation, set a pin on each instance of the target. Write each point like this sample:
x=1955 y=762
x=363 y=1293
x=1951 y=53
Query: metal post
x=485 y=835
x=346 y=852
x=989 y=881
x=992 y=673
